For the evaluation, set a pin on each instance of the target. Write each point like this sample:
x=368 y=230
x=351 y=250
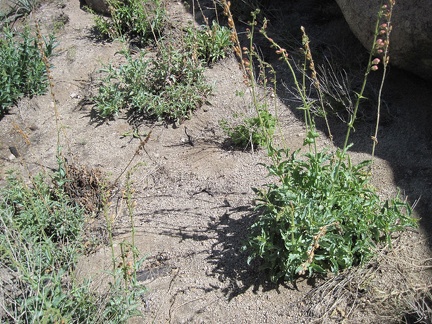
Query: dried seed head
x=230 y=22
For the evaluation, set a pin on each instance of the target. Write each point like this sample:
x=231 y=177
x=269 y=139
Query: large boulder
x=411 y=38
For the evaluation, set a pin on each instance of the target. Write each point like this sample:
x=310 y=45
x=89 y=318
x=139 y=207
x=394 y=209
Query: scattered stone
x=14 y=151
x=74 y=95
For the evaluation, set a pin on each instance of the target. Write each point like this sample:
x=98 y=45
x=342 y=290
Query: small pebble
x=14 y=151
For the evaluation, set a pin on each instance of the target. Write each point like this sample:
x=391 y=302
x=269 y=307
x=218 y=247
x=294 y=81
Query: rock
x=411 y=38
x=14 y=151
x=98 y=6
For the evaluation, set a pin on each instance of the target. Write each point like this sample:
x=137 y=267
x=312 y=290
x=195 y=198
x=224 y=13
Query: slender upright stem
x=387 y=29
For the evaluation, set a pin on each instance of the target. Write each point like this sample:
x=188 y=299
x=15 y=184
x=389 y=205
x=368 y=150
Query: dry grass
x=396 y=286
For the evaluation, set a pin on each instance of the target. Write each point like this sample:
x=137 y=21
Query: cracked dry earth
x=194 y=198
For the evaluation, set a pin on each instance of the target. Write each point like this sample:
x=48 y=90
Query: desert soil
x=194 y=199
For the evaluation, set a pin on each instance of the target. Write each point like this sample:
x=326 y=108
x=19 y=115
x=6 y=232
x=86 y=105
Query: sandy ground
x=195 y=202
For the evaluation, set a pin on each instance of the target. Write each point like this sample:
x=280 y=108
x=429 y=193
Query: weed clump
x=321 y=214
x=23 y=71
x=135 y=20
x=41 y=239
x=210 y=43
x=169 y=86
x=253 y=132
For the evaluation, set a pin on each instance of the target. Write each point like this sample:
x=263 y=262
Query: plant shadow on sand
x=230 y=262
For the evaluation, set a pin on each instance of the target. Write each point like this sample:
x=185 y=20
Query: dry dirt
x=195 y=202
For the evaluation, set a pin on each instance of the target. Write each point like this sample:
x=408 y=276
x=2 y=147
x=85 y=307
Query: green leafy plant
x=211 y=43
x=168 y=86
x=321 y=214
x=133 y=19
x=41 y=239
x=24 y=7
x=22 y=72
x=17 y=9
x=253 y=132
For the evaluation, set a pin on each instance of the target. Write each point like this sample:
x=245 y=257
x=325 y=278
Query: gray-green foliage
x=168 y=86
x=211 y=43
x=22 y=69
x=322 y=215
x=134 y=19
x=253 y=132
x=41 y=233
x=17 y=9
x=24 y=7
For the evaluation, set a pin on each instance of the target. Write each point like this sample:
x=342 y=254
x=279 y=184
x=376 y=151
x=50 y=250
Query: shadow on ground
x=230 y=261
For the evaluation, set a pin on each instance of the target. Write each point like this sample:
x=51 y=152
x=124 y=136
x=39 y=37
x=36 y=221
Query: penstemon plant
x=323 y=214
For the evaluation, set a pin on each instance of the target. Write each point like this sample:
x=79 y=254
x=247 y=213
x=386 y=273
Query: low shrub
x=169 y=86
x=211 y=43
x=22 y=72
x=41 y=239
x=323 y=215
x=139 y=20
x=253 y=132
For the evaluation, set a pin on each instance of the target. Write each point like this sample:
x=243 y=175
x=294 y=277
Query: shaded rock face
x=411 y=38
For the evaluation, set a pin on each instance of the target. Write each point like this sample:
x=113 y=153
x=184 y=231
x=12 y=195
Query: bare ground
x=193 y=193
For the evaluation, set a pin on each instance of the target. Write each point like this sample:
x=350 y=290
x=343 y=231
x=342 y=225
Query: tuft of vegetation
x=41 y=239
x=23 y=71
x=321 y=214
x=17 y=9
x=136 y=20
x=210 y=43
x=253 y=132
x=169 y=86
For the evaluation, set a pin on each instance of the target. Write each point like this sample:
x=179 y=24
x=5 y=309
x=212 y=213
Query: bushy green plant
x=17 y=9
x=22 y=72
x=211 y=43
x=40 y=233
x=24 y=7
x=40 y=242
x=133 y=19
x=168 y=86
x=322 y=215
x=253 y=132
